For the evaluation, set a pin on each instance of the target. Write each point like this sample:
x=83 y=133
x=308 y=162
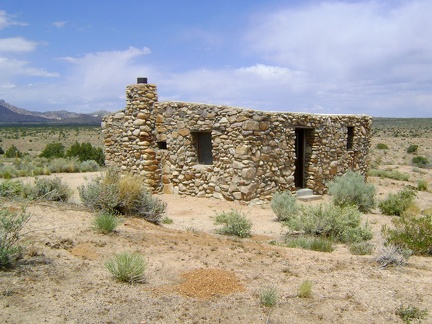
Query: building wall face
x=254 y=153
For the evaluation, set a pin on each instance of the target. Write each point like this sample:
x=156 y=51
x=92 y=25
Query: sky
x=369 y=57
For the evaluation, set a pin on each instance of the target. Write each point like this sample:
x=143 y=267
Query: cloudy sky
x=347 y=56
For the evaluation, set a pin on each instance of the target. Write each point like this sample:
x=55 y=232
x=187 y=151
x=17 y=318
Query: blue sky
x=354 y=57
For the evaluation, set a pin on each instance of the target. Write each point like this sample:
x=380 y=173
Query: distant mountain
x=11 y=115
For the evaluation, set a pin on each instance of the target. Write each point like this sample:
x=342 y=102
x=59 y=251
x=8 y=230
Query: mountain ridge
x=12 y=115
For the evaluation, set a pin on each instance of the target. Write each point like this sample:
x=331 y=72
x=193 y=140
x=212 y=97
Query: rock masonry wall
x=253 y=152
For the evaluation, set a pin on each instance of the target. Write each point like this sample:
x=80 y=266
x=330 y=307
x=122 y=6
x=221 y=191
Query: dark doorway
x=203 y=146
x=300 y=148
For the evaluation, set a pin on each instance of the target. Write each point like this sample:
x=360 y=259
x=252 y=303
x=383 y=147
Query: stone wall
x=252 y=153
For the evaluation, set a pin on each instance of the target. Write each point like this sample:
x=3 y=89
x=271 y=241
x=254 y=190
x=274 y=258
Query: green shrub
x=49 y=189
x=361 y=248
x=86 y=152
x=234 y=223
x=396 y=175
x=89 y=166
x=53 y=150
x=409 y=313
x=412 y=148
x=320 y=244
x=396 y=204
x=284 y=205
x=339 y=223
x=126 y=195
x=422 y=185
x=351 y=189
x=420 y=161
x=11 y=188
x=105 y=222
x=382 y=146
x=13 y=152
x=11 y=223
x=268 y=296
x=305 y=289
x=127 y=267
x=411 y=231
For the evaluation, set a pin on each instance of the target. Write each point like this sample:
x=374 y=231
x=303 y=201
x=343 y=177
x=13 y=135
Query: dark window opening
x=350 y=137
x=203 y=146
x=162 y=145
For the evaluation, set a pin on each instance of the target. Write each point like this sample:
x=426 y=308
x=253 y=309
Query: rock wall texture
x=231 y=153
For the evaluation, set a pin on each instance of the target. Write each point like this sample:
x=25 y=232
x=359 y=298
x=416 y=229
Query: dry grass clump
x=127 y=267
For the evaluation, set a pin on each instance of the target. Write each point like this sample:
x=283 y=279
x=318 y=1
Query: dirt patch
x=206 y=283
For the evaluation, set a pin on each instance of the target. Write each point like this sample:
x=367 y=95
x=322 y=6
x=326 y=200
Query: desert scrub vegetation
x=233 y=223
x=382 y=146
x=410 y=313
x=48 y=189
x=339 y=223
x=127 y=267
x=422 y=185
x=389 y=174
x=314 y=243
x=268 y=296
x=305 y=289
x=420 y=161
x=396 y=204
x=350 y=189
x=105 y=222
x=410 y=231
x=412 y=148
x=124 y=194
x=11 y=189
x=391 y=255
x=361 y=248
x=284 y=205
x=11 y=223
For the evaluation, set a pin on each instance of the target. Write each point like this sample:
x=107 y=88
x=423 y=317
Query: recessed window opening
x=350 y=137
x=162 y=145
x=203 y=146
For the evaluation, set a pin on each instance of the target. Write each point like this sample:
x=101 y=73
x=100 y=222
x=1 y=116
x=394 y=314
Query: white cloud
x=59 y=24
x=7 y=20
x=16 y=44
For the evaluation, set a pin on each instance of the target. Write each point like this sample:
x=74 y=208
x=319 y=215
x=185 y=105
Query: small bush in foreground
x=127 y=267
x=351 y=189
x=105 y=222
x=409 y=313
x=361 y=248
x=392 y=255
x=305 y=289
x=11 y=223
x=126 y=194
x=268 y=296
x=396 y=204
x=284 y=205
x=422 y=185
x=49 y=189
x=234 y=223
x=313 y=243
x=410 y=231
x=339 y=223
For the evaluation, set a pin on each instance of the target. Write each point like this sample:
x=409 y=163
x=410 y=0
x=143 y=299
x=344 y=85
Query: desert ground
x=194 y=275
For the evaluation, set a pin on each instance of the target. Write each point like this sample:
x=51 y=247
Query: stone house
x=231 y=153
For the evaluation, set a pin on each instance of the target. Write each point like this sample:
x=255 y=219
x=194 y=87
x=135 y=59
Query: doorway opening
x=304 y=138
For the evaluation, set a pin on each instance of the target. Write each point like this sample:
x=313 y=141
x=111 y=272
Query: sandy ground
x=196 y=276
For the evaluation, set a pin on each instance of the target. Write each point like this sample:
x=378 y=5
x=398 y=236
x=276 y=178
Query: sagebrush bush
x=396 y=204
x=391 y=255
x=284 y=205
x=126 y=194
x=342 y=224
x=314 y=243
x=11 y=223
x=49 y=189
x=351 y=189
x=234 y=223
x=127 y=267
x=411 y=231
x=105 y=222
x=11 y=189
